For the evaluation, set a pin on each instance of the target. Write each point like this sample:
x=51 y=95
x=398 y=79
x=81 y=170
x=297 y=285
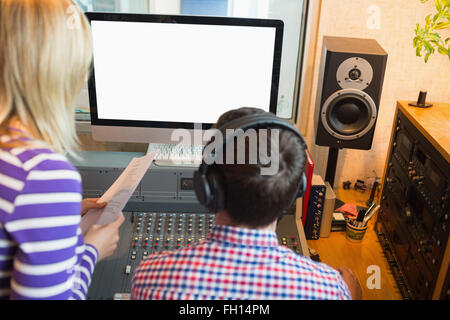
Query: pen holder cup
x=355 y=234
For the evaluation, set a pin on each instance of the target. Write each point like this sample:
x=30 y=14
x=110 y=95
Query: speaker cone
x=348 y=114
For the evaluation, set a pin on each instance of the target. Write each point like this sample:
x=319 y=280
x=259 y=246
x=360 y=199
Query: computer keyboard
x=174 y=155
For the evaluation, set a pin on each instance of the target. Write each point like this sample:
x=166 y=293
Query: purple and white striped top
x=42 y=252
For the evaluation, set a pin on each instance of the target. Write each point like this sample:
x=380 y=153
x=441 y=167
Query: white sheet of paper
x=119 y=193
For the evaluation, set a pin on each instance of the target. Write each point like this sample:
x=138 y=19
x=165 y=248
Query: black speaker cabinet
x=351 y=78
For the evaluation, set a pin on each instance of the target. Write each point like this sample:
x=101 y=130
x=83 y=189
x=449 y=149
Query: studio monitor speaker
x=349 y=90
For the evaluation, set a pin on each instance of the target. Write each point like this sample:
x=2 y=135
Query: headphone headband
x=265 y=120
x=209 y=185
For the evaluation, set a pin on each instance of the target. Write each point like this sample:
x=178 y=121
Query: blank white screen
x=180 y=72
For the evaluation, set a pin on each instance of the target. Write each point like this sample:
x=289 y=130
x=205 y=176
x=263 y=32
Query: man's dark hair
x=257 y=200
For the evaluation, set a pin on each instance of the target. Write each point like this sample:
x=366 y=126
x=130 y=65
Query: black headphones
x=208 y=181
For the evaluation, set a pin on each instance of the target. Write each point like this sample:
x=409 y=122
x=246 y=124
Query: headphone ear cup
x=217 y=188
x=202 y=189
x=300 y=190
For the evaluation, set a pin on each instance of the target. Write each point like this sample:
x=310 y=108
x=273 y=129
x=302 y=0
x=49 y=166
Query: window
x=292 y=12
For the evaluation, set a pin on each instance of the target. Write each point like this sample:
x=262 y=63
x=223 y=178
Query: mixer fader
x=142 y=234
x=156 y=232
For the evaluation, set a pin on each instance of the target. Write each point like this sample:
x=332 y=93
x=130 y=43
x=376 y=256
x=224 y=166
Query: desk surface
x=337 y=251
x=433 y=123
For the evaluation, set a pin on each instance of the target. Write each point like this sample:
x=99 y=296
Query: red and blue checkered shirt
x=236 y=263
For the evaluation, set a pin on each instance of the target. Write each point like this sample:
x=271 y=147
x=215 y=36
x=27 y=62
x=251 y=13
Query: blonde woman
x=45 y=54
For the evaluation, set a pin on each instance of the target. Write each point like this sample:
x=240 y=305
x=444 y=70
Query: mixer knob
x=128 y=269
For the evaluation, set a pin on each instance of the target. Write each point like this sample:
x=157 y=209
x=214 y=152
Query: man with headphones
x=241 y=257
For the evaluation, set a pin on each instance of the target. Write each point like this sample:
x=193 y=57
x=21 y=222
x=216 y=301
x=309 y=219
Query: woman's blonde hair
x=45 y=56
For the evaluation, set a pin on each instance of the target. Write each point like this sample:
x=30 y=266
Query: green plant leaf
x=428 y=23
x=438 y=5
x=428 y=47
x=419 y=51
x=442 y=50
x=435 y=36
x=442 y=25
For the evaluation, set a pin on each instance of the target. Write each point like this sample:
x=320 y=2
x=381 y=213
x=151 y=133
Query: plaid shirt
x=236 y=263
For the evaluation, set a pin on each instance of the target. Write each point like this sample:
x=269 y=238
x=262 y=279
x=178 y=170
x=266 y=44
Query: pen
x=370 y=215
x=372 y=206
x=360 y=218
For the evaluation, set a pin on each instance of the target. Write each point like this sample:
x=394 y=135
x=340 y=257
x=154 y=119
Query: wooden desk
x=337 y=251
x=433 y=123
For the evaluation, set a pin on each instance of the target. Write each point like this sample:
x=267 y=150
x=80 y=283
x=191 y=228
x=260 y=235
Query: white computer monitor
x=156 y=73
